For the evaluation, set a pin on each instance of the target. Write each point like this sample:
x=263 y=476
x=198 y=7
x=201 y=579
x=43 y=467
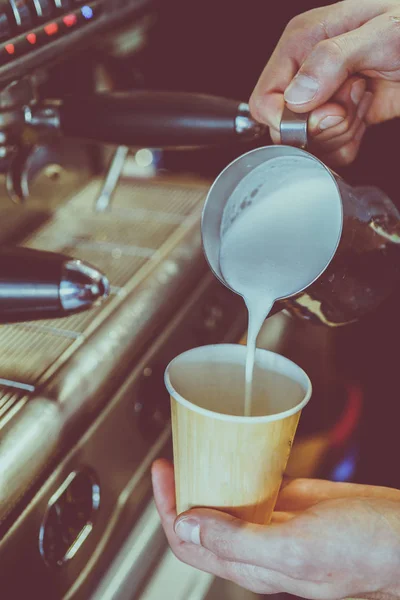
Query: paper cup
x=224 y=460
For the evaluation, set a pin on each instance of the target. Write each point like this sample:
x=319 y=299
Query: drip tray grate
x=11 y=401
x=120 y=242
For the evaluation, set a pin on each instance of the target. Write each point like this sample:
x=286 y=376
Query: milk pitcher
x=360 y=263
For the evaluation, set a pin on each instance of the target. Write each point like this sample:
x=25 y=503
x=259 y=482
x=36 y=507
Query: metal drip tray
x=142 y=218
x=83 y=407
x=57 y=375
x=27 y=353
x=134 y=234
x=11 y=401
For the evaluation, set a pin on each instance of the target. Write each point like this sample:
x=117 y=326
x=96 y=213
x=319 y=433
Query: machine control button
x=7 y=53
x=69 y=21
x=52 y=30
x=69 y=519
x=25 y=43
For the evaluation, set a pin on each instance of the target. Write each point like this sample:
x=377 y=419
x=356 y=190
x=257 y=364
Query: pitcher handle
x=293 y=128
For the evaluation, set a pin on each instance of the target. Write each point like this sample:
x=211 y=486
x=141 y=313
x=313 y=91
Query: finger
x=386 y=101
x=297 y=42
x=347 y=154
x=162 y=474
x=328 y=121
x=333 y=118
x=268 y=110
x=336 y=143
x=275 y=135
x=329 y=141
x=301 y=494
x=193 y=553
x=344 y=105
x=333 y=60
x=271 y=547
x=164 y=497
x=274 y=558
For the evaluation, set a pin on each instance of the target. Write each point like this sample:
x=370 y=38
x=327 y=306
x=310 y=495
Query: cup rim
x=236 y=418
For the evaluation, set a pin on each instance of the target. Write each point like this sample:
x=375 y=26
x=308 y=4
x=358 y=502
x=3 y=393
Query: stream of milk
x=274 y=248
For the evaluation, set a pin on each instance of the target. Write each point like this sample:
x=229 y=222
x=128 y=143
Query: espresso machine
x=102 y=282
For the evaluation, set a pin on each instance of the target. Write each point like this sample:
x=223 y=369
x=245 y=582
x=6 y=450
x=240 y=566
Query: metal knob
x=293 y=128
x=82 y=286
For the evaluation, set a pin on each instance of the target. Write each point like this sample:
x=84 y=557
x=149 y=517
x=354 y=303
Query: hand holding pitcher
x=340 y=62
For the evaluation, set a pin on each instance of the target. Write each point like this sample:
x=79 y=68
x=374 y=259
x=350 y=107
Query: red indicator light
x=69 y=20
x=10 y=48
x=31 y=37
x=51 y=28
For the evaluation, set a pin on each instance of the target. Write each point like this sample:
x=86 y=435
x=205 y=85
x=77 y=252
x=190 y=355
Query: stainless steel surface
x=140 y=550
x=11 y=401
x=26 y=166
x=245 y=126
x=169 y=579
x=46 y=117
x=127 y=243
x=66 y=368
x=82 y=286
x=82 y=399
x=10 y=119
x=222 y=589
x=61 y=356
x=177 y=580
x=27 y=142
x=14 y=98
x=294 y=128
x=19 y=93
x=37 y=284
x=46 y=173
x=81 y=482
x=111 y=181
x=28 y=352
x=93 y=420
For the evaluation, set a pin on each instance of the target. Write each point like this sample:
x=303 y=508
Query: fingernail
x=188 y=530
x=357 y=90
x=330 y=122
x=364 y=105
x=302 y=89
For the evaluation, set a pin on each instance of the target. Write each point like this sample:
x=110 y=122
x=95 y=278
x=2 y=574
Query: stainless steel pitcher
x=361 y=266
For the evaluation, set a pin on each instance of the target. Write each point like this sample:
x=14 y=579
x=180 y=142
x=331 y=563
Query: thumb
x=235 y=540
x=333 y=61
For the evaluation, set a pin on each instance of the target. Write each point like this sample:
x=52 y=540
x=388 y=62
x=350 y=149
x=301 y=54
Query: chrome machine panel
x=83 y=408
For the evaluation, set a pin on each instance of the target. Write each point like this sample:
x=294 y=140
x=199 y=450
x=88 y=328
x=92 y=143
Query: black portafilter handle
x=157 y=119
x=44 y=285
